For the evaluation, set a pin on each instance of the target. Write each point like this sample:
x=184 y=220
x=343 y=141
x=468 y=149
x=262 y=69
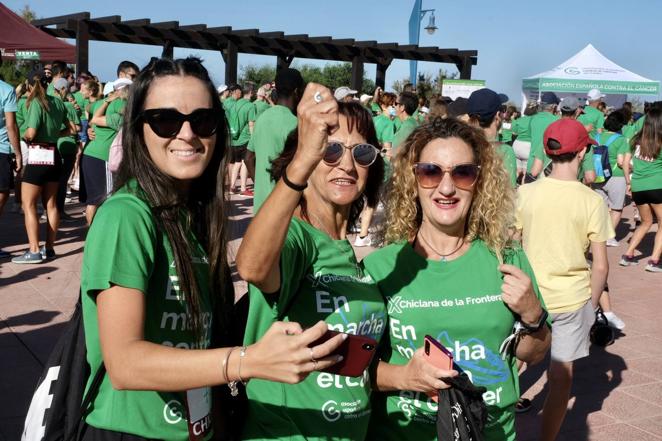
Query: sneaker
x=627 y=261
x=28 y=257
x=247 y=193
x=523 y=405
x=612 y=242
x=614 y=320
x=362 y=241
x=47 y=253
x=654 y=266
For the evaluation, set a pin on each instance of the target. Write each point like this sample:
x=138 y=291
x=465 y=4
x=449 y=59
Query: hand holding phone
x=357 y=352
x=437 y=355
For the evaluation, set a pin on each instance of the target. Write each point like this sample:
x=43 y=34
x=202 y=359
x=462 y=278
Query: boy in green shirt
x=405 y=107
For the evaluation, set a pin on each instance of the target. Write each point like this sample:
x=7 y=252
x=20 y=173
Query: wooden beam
x=168 y=50
x=138 y=22
x=323 y=39
x=166 y=25
x=464 y=67
x=108 y=19
x=271 y=34
x=357 y=74
x=380 y=76
x=220 y=29
x=60 y=19
x=230 y=57
x=194 y=27
x=246 y=32
x=82 y=46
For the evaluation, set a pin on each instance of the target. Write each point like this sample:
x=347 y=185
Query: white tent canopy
x=587 y=70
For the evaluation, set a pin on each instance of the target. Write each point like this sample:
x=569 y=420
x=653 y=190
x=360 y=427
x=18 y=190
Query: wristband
x=292 y=185
x=539 y=324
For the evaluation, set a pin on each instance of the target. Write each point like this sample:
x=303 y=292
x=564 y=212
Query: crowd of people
x=494 y=244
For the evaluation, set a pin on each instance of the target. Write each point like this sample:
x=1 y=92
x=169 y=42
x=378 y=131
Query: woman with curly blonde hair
x=450 y=272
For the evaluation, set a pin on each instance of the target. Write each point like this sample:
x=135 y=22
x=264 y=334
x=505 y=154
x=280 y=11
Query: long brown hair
x=36 y=92
x=202 y=211
x=649 y=139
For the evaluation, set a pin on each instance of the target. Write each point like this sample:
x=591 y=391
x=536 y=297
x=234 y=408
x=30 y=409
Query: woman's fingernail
x=344 y=336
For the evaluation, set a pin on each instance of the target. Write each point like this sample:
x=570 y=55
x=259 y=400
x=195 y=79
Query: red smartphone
x=438 y=355
x=357 y=352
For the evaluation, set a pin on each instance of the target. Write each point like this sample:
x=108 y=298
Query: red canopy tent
x=19 y=40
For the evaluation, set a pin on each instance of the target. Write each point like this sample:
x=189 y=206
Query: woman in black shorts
x=45 y=117
x=646 y=185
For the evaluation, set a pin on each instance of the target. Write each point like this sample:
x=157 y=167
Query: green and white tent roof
x=587 y=70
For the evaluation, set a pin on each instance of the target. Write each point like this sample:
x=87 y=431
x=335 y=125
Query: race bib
x=507 y=126
x=199 y=413
x=40 y=155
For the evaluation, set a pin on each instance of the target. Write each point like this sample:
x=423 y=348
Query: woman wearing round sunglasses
x=301 y=267
x=443 y=275
x=156 y=289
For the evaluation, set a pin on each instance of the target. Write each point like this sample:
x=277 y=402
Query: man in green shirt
x=271 y=131
x=241 y=119
x=405 y=107
x=261 y=103
x=539 y=122
x=59 y=70
x=593 y=119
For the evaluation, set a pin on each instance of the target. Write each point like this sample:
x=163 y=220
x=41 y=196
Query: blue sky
x=514 y=38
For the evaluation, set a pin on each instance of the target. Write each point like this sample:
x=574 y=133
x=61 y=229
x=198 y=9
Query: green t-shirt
x=82 y=104
x=506 y=132
x=522 y=128
x=67 y=145
x=268 y=140
x=228 y=104
x=50 y=90
x=402 y=133
x=593 y=116
x=509 y=162
x=457 y=302
x=646 y=172
x=320 y=280
x=21 y=115
x=99 y=147
x=539 y=123
x=48 y=124
x=244 y=111
x=586 y=164
x=260 y=107
x=620 y=146
x=375 y=109
x=384 y=128
x=124 y=247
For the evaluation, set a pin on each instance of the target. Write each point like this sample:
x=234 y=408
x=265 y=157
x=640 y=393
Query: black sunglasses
x=167 y=123
x=364 y=154
x=429 y=174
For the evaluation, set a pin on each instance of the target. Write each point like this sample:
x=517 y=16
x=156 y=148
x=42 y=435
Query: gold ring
x=312 y=358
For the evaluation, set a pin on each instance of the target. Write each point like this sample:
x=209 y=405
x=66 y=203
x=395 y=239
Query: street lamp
x=415 y=20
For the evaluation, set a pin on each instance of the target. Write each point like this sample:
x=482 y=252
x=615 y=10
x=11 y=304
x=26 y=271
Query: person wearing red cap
x=560 y=218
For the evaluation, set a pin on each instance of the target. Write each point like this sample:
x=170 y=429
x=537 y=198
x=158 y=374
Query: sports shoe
x=28 y=257
x=362 y=241
x=627 y=261
x=47 y=253
x=247 y=193
x=614 y=320
x=612 y=242
x=654 y=266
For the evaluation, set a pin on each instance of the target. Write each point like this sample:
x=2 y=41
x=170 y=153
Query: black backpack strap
x=87 y=401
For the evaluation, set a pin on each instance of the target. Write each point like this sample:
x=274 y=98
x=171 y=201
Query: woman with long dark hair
x=156 y=289
x=646 y=185
x=301 y=267
x=45 y=117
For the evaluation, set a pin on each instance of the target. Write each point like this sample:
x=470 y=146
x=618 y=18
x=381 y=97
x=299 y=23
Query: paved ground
x=617 y=393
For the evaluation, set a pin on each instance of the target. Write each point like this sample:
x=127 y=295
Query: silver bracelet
x=234 y=391
x=242 y=353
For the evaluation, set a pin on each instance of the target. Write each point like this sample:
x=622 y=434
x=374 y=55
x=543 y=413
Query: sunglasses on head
x=429 y=174
x=167 y=123
x=364 y=154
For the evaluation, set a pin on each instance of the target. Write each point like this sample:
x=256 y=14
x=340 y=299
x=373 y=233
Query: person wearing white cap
x=261 y=103
x=593 y=119
x=223 y=92
x=106 y=120
x=345 y=94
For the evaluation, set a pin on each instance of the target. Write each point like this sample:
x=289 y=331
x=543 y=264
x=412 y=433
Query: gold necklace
x=443 y=256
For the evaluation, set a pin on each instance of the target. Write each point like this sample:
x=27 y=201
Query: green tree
x=28 y=14
x=13 y=72
x=257 y=75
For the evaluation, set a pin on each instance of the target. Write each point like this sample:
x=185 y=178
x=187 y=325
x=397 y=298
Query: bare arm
x=589 y=177
x=99 y=117
x=536 y=167
x=599 y=270
x=135 y=364
x=12 y=134
x=259 y=254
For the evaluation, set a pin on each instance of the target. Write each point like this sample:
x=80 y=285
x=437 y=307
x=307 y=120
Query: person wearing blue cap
x=539 y=122
x=483 y=109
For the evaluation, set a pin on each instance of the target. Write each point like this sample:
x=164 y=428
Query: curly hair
x=492 y=209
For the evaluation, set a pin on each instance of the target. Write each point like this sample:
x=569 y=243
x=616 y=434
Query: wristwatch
x=536 y=327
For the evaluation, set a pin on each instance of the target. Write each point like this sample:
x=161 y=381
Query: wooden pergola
x=230 y=42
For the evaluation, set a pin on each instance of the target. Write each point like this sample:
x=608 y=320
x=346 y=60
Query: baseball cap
x=458 y=107
x=60 y=83
x=222 y=88
x=121 y=83
x=485 y=103
x=595 y=94
x=549 y=98
x=570 y=104
x=342 y=92
x=565 y=136
x=107 y=88
x=365 y=98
